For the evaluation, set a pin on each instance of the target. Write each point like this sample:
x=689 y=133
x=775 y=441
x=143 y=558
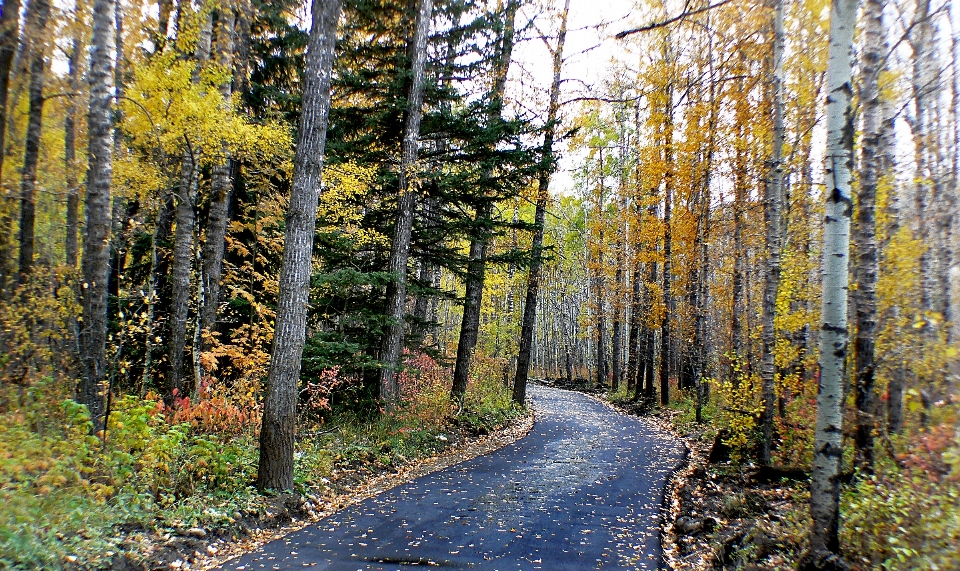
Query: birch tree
x=275 y=467
x=828 y=446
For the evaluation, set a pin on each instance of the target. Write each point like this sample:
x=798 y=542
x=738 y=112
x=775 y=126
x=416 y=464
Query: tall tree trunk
x=543 y=195
x=275 y=468
x=865 y=232
x=96 y=235
x=666 y=341
x=186 y=217
x=221 y=187
x=828 y=446
x=740 y=355
x=70 y=158
x=402 y=231
x=39 y=12
x=476 y=267
x=925 y=95
x=773 y=208
x=9 y=39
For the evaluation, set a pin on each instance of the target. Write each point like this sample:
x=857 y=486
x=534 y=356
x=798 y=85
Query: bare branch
x=668 y=21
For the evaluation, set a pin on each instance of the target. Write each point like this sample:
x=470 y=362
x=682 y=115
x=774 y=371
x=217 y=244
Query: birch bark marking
x=865 y=232
x=476 y=268
x=824 y=483
x=275 y=468
x=39 y=12
x=539 y=216
x=96 y=235
x=774 y=219
x=403 y=228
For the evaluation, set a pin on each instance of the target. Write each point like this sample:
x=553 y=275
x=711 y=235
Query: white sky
x=587 y=57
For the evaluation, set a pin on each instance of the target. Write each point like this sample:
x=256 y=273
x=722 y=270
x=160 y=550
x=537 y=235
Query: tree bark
x=39 y=12
x=476 y=268
x=528 y=321
x=70 y=158
x=275 y=468
x=186 y=217
x=400 y=244
x=828 y=447
x=96 y=239
x=9 y=38
x=221 y=187
x=774 y=222
x=666 y=347
x=865 y=232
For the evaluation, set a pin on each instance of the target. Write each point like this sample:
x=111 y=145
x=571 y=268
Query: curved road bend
x=582 y=490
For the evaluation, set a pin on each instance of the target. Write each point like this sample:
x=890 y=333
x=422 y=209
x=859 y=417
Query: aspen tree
x=773 y=210
x=186 y=198
x=828 y=446
x=221 y=182
x=9 y=37
x=275 y=468
x=865 y=231
x=70 y=156
x=37 y=14
x=96 y=236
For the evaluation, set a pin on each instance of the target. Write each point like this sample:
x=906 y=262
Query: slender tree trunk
x=828 y=447
x=476 y=267
x=543 y=195
x=400 y=244
x=636 y=321
x=865 y=232
x=740 y=354
x=925 y=95
x=275 y=468
x=96 y=238
x=773 y=209
x=666 y=341
x=221 y=187
x=186 y=217
x=39 y=12
x=9 y=39
x=70 y=158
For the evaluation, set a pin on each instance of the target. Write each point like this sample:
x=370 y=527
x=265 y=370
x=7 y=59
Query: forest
x=256 y=254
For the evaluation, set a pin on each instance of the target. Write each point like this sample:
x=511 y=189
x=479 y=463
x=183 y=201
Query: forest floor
x=206 y=548
x=583 y=490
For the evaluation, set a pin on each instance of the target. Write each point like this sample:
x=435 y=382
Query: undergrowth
x=65 y=494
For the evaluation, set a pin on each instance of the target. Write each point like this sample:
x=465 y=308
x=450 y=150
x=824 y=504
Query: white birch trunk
x=825 y=484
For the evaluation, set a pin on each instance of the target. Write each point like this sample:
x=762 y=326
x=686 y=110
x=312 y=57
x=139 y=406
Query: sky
x=588 y=54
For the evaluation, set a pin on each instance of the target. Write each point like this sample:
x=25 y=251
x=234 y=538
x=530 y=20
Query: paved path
x=583 y=490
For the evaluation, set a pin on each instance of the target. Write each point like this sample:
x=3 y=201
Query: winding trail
x=583 y=490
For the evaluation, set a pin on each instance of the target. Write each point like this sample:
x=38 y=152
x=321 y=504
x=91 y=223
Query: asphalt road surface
x=583 y=490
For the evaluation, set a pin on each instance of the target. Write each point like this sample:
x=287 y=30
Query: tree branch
x=669 y=21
